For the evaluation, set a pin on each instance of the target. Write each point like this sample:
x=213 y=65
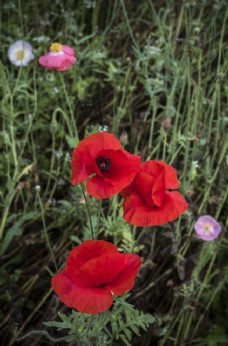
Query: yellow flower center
x=207 y=227
x=20 y=54
x=56 y=47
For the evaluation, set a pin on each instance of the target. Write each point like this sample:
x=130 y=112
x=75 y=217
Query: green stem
x=128 y=23
x=137 y=239
x=46 y=232
x=9 y=199
x=88 y=210
x=73 y=120
x=43 y=333
x=202 y=287
x=207 y=307
x=12 y=134
x=99 y=215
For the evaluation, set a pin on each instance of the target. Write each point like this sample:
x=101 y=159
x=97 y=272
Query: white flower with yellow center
x=20 y=53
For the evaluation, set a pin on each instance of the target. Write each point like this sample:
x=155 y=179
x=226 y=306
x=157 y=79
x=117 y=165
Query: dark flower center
x=103 y=163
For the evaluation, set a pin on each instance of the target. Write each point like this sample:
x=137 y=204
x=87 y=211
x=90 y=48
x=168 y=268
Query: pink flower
x=60 y=57
x=207 y=228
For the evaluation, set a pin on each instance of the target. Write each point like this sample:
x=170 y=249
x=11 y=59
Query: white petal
x=17 y=46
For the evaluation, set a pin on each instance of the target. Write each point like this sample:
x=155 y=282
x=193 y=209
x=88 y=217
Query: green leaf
x=135 y=329
x=15 y=230
x=124 y=339
x=59 y=325
x=72 y=142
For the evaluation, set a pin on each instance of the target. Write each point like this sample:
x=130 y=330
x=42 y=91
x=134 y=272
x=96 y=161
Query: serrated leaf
x=124 y=339
x=135 y=329
x=58 y=325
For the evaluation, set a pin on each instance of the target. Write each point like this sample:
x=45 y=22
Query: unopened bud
x=124 y=138
x=166 y=123
x=37 y=188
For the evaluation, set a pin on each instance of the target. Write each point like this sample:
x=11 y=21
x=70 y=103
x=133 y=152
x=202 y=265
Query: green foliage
x=15 y=230
x=135 y=68
x=83 y=328
x=127 y=320
x=121 y=323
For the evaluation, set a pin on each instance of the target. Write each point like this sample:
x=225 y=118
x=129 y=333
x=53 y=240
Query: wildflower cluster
x=108 y=170
x=95 y=271
x=60 y=57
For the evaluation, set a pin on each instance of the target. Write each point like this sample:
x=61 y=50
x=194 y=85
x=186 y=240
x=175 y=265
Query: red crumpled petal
x=95 y=271
x=125 y=281
x=152 y=193
x=158 y=190
x=108 y=268
x=144 y=183
x=138 y=214
x=82 y=167
x=84 y=299
x=98 y=188
x=90 y=249
x=171 y=180
x=154 y=168
x=96 y=142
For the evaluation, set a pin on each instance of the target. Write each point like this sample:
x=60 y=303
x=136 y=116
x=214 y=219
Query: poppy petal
x=99 y=188
x=84 y=155
x=96 y=142
x=122 y=166
x=158 y=190
x=81 y=167
x=144 y=184
x=137 y=213
x=152 y=168
x=88 y=250
x=126 y=279
x=91 y=268
x=171 y=181
x=108 y=268
x=84 y=299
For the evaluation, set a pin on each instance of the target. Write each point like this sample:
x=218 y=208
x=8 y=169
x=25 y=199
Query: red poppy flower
x=112 y=168
x=147 y=201
x=94 y=272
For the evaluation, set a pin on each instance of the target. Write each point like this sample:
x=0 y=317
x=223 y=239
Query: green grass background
x=139 y=62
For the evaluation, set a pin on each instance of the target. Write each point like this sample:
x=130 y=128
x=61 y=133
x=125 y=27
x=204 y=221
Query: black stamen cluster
x=103 y=163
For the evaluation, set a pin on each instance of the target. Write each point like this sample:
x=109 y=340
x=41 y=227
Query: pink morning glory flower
x=60 y=57
x=207 y=228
